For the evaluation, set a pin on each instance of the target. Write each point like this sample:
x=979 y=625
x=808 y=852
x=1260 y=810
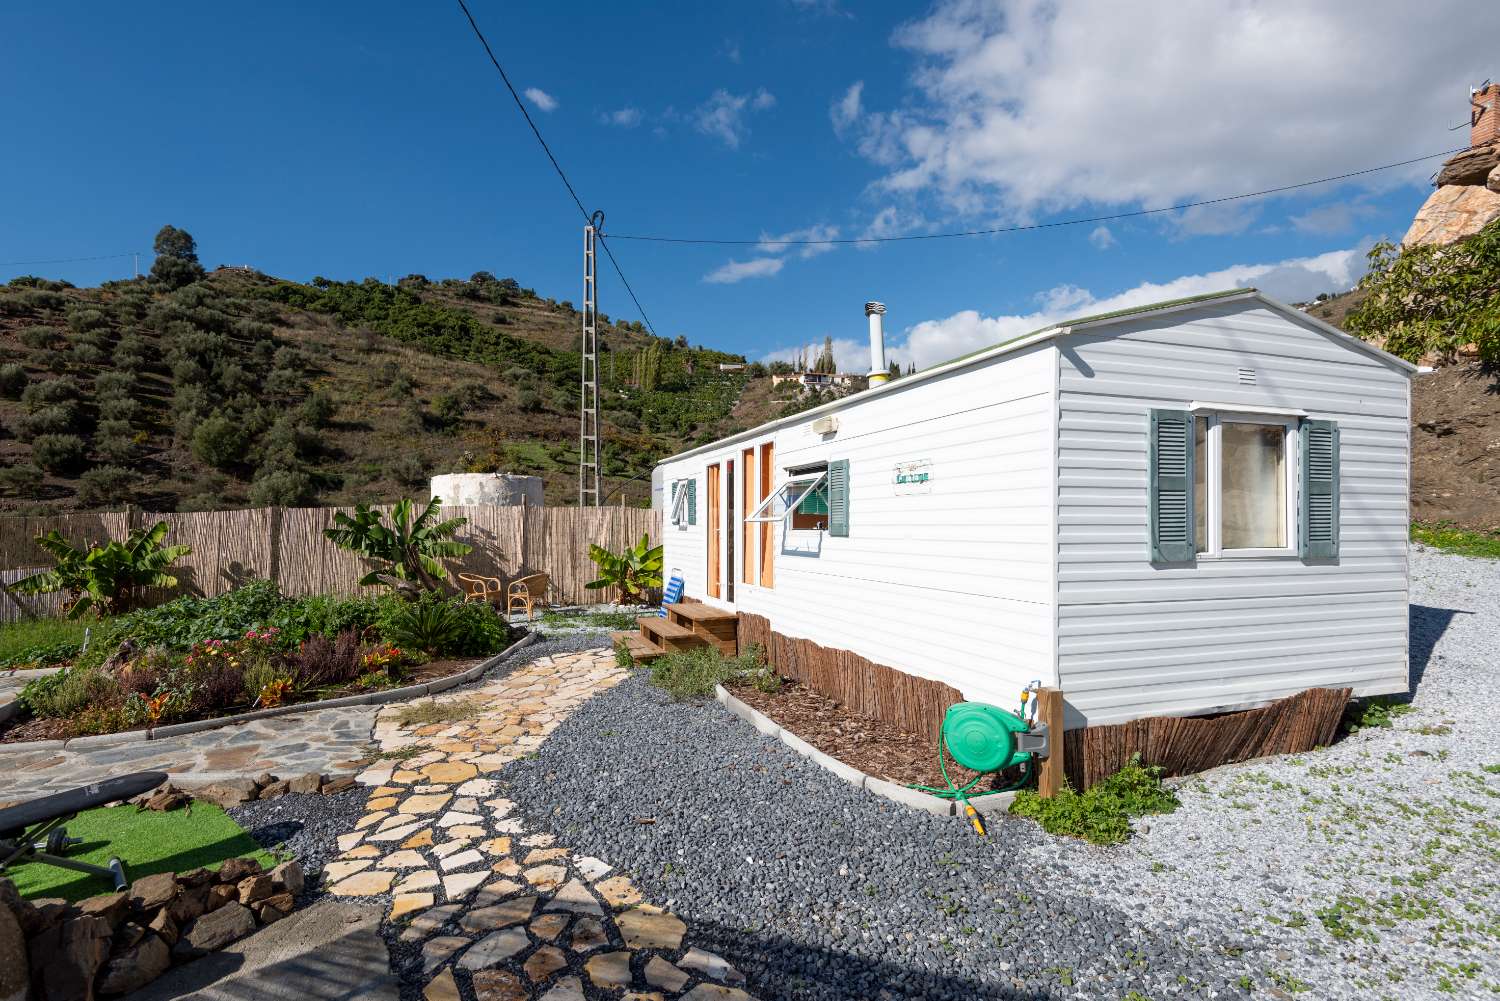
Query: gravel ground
x=547 y=645
x=1367 y=870
x=305 y=825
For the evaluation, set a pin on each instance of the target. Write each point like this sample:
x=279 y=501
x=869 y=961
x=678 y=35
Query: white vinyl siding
x=954 y=583
x=1140 y=640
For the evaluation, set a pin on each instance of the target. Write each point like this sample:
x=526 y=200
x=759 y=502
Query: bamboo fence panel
x=287 y=545
x=1184 y=745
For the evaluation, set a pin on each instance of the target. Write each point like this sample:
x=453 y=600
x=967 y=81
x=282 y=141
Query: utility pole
x=137 y=258
x=589 y=493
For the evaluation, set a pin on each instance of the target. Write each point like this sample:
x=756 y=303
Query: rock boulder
x=215 y=930
x=1452 y=213
x=1470 y=167
x=135 y=967
x=15 y=972
x=65 y=957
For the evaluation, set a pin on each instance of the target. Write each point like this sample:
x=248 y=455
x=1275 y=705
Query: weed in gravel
x=1101 y=815
x=401 y=753
x=623 y=657
x=1379 y=711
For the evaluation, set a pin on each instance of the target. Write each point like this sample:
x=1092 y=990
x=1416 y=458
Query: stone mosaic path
x=328 y=740
x=482 y=898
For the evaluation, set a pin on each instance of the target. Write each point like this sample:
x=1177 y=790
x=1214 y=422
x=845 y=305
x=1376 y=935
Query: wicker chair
x=480 y=588
x=526 y=592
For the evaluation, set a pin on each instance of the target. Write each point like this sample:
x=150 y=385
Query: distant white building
x=1187 y=508
x=816 y=380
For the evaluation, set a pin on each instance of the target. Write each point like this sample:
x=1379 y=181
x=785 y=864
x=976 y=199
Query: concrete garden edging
x=913 y=798
x=197 y=726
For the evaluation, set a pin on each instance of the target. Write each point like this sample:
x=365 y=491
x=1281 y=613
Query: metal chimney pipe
x=878 y=372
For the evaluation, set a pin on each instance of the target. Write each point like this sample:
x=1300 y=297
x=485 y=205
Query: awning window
x=806 y=492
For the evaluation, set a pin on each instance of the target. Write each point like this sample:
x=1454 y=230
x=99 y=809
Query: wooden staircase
x=687 y=625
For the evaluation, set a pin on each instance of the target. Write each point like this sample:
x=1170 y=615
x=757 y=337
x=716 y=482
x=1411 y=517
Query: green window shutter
x=692 y=501
x=1319 y=524
x=1170 y=486
x=838 y=497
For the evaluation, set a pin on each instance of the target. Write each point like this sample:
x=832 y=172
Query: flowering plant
x=274 y=692
x=386 y=657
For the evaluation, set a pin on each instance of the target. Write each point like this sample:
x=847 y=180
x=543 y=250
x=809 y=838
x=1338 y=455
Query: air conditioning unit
x=825 y=425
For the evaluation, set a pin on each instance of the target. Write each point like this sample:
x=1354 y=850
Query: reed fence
x=287 y=545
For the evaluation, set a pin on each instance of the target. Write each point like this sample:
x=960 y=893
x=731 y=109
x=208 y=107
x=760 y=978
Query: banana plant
x=409 y=551
x=105 y=578
x=635 y=569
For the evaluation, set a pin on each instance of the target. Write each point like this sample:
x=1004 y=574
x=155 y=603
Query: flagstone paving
x=325 y=740
x=480 y=896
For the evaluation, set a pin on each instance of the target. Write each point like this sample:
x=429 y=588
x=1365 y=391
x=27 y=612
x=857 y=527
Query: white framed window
x=1244 y=485
x=799 y=497
x=684 y=503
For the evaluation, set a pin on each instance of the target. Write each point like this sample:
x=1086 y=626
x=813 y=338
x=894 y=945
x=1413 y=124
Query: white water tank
x=495 y=489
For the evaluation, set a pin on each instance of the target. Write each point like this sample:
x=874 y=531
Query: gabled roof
x=1061 y=329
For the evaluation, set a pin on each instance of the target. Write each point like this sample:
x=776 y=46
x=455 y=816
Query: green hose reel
x=986 y=739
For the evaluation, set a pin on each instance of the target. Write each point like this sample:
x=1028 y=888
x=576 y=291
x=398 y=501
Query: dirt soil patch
x=1455 y=446
x=874 y=747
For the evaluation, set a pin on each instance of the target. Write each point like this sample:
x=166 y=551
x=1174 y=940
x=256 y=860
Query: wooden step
x=642 y=649
x=698 y=611
x=669 y=635
x=717 y=627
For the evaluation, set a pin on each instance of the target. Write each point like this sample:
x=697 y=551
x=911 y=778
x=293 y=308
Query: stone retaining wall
x=116 y=943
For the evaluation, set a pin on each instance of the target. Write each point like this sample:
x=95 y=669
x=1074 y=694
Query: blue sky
x=374 y=139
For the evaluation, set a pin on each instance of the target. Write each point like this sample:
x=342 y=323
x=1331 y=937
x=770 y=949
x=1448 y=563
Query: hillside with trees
x=192 y=390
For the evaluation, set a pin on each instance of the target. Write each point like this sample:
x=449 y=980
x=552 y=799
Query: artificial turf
x=146 y=841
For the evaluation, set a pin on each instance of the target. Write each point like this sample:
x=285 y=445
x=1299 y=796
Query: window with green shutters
x=692 y=501
x=1241 y=484
x=1320 y=490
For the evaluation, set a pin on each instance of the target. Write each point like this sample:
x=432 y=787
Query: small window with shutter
x=1320 y=490
x=812 y=498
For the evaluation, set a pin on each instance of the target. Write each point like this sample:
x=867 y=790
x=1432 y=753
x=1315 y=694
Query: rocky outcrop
x=114 y=943
x=1493 y=183
x=1452 y=213
x=1471 y=166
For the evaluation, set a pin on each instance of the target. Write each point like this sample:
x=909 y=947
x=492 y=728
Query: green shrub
x=58 y=453
x=441 y=627
x=280 y=488
x=317 y=410
x=12 y=381
x=51 y=391
x=70 y=691
x=106 y=486
x=21 y=480
x=108 y=384
x=115 y=442
x=82 y=319
x=85 y=353
x=692 y=674
x=40 y=338
x=118 y=408
x=623 y=656
x=219 y=441
x=1102 y=814
x=57 y=418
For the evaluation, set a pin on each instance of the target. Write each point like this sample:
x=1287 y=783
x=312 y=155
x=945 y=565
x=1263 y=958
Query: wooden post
x=1049 y=710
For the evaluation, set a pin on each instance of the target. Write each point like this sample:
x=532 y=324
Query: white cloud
x=772 y=244
x=933 y=341
x=738 y=271
x=625 y=118
x=723 y=114
x=1102 y=238
x=539 y=97
x=1020 y=107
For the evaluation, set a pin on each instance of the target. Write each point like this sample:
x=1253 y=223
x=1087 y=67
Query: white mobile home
x=1175 y=510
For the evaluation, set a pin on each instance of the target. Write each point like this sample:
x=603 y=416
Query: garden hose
x=981 y=738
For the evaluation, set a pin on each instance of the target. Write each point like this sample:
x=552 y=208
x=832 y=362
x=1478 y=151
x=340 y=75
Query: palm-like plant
x=409 y=550
x=105 y=578
x=633 y=570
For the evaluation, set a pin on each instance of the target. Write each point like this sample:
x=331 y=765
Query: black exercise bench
x=34 y=832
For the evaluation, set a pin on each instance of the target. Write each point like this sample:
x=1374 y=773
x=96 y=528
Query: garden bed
x=251 y=649
x=874 y=747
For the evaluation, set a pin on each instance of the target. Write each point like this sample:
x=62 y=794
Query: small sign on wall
x=913 y=477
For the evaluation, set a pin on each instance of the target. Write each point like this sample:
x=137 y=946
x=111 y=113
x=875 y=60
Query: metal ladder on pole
x=590 y=493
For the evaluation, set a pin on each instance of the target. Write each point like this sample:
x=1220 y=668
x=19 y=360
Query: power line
x=555 y=165
x=67 y=260
x=1135 y=214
